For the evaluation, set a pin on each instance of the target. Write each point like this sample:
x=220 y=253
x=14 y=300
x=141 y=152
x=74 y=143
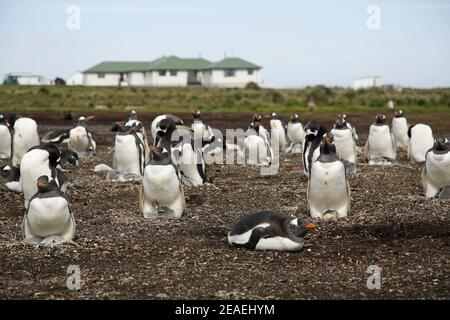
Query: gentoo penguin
x=328 y=190
x=436 y=173
x=345 y=145
x=278 y=129
x=344 y=117
x=314 y=132
x=5 y=139
x=68 y=157
x=161 y=191
x=49 y=219
x=266 y=230
x=256 y=151
x=202 y=130
x=296 y=134
x=400 y=130
x=176 y=120
x=12 y=176
x=25 y=137
x=129 y=152
x=263 y=132
x=212 y=144
x=81 y=140
x=136 y=124
x=56 y=136
x=420 y=141
x=380 y=145
x=38 y=161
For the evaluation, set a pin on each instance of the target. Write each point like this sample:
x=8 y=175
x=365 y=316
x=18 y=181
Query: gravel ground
x=122 y=255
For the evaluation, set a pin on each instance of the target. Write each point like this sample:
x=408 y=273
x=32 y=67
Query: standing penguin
x=400 y=130
x=314 y=132
x=268 y=230
x=49 y=219
x=278 y=129
x=296 y=134
x=5 y=139
x=344 y=118
x=380 y=145
x=328 y=190
x=136 y=124
x=161 y=191
x=25 y=137
x=436 y=173
x=420 y=141
x=256 y=151
x=81 y=140
x=345 y=145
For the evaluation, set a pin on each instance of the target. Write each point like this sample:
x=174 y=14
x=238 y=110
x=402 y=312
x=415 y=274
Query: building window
x=162 y=73
x=250 y=71
x=173 y=73
x=100 y=75
x=228 y=72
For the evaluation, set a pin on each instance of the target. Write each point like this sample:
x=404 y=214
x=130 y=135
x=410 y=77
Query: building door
x=192 y=78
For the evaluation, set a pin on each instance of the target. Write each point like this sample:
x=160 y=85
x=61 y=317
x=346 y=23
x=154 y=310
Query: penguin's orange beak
x=310 y=226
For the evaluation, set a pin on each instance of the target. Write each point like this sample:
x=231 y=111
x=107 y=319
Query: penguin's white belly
x=278 y=243
x=296 y=133
x=400 y=132
x=126 y=154
x=438 y=169
x=79 y=139
x=421 y=141
x=200 y=131
x=25 y=137
x=328 y=188
x=345 y=145
x=48 y=216
x=380 y=142
x=256 y=151
x=278 y=132
x=244 y=237
x=161 y=184
x=5 y=142
x=187 y=164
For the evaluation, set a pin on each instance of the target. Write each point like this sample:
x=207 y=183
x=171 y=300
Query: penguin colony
x=176 y=159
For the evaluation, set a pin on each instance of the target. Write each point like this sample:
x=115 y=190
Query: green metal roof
x=170 y=63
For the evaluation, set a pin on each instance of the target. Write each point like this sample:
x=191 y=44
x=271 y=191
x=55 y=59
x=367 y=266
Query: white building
x=173 y=71
x=26 y=78
x=76 y=79
x=366 y=82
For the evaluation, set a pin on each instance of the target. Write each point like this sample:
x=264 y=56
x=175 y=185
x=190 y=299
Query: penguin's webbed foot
x=52 y=241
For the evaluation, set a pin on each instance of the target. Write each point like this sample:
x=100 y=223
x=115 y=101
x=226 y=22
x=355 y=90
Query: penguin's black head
x=380 y=119
x=197 y=115
x=399 y=114
x=314 y=129
x=299 y=228
x=69 y=156
x=2 y=119
x=254 y=126
x=441 y=145
x=82 y=121
x=343 y=116
x=42 y=182
x=257 y=118
x=340 y=124
x=10 y=172
x=295 y=118
x=275 y=116
x=165 y=126
x=159 y=154
x=132 y=115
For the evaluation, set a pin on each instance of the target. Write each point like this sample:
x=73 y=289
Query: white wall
x=75 y=80
x=364 y=83
x=180 y=79
x=30 y=80
x=216 y=78
x=136 y=79
x=110 y=79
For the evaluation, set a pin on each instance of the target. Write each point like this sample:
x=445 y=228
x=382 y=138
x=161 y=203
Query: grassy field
x=320 y=98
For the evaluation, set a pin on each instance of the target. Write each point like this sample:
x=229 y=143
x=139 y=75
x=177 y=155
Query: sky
x=298 y=43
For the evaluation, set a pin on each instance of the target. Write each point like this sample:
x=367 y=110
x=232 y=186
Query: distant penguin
x=38 y=161
x=49 y=219
x=161 y=191
x=139 y=128
x=380 y=146
x=211 y=144
x=25 y=137
x=400 y=130
x=5 y=139
x=436 y=173
x=56 y=136
x=263 y=132
x=129 y=152
x=11 y=175
x=345 y=145
x=328 y=190
x=278 y=129
x=268 y=230
x=344 y=117
x=81 y=140
x=296 y=135
x=176 y=120
x=314 y=132
x=256 y=151
x=420 y=141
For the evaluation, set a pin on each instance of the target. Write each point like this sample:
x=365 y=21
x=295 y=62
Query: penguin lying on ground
x=278 y=130
x=256 y=151
x=400 y=131
x=344 y=118
x=420 y=141
x=314 y=132
x=161 y=191
x=49 y=219
x=380 y=145
x=436 y=173
x=56 y=136
x=81 y=140
x=176 y=120
x=328 y=190
x=25 y=137
x=345 y=145
x=12 y=176
x=295 y=134
x=68 y=157
x=267 y=230
x=5 y=139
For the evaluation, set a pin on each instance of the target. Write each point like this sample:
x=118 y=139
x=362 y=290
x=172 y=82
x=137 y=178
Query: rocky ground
x=123 y=255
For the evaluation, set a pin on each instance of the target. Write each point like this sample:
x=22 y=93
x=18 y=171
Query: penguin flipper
x=257 y=234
